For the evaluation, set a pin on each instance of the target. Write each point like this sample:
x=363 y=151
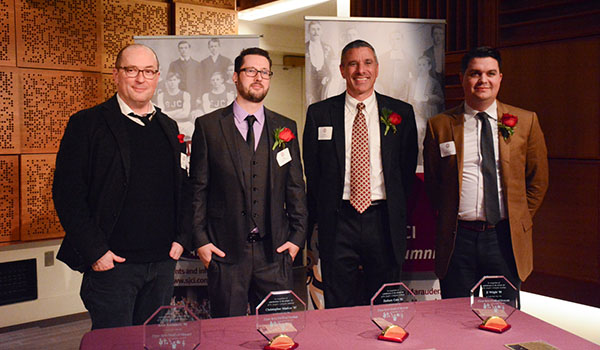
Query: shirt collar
x=492 y=111
x=125 y=110
x=240 y=114
x=369 y=101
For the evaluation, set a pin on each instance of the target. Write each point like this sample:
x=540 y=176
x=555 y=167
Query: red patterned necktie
x=360 y=174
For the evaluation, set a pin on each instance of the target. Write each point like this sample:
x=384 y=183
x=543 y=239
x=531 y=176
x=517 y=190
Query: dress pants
x=360 y=240
x=127 y=294
x=231 y=287
x=478 y=254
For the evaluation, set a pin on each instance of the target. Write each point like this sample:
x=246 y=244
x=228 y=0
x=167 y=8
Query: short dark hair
x=214 y=40
x=250 y=51
x=183 y=42
x=120 y=54
x=355 y=45
x=480 y=52
x=436 y=26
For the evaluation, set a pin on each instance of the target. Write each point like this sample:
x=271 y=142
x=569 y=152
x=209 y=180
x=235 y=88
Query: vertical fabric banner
x=195 y=79
x=195 y=74
x=410 y=54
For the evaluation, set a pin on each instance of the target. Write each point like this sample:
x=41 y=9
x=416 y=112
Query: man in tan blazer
x=484 y=147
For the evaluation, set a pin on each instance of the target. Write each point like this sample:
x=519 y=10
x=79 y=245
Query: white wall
x=58 y=286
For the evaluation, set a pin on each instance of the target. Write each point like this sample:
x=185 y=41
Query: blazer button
x=255 y=189
x=243 y=213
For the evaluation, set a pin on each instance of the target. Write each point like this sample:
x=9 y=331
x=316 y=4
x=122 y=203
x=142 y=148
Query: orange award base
x=393 y=333
x=495 y=324
x=281 y=342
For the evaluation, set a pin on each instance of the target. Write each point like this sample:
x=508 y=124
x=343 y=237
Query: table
x=438 y=324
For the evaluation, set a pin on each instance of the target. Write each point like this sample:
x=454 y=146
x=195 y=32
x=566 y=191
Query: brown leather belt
x=478 y=226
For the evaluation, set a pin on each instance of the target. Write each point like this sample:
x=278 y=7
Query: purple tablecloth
x=438 y=324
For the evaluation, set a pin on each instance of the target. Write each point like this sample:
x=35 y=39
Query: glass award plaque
x=392 y=309
x=493 y=300
x=173 y=328
x=279 y=318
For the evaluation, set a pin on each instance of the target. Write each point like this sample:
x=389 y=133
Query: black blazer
x=91 y=179
x=219 y=192
x=325 y=167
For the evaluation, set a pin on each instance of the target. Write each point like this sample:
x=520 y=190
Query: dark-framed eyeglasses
x=133 y=71
x=251 y=72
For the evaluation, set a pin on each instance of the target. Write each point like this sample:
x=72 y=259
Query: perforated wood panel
x=9 y=111
x=7 y=33
x=226 y=4
x=9 y=198
x=123 y=19
x=38 y=218
x=108 y=86
x=49 y=98
x=58 y=34
x=200 y=20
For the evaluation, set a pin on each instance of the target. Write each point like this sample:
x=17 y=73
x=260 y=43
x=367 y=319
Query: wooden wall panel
x=226 y=4
x=7 y=33
x=9 y=198
x=58 y=34
x=108 y=86
x=565 y=233
x=38 y=217
x=48 y=99
x=560 y=81
x=522 y=22
x=124 y=19
x=202 y=20
x=9 y=111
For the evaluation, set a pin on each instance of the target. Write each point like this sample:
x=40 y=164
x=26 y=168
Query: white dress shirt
x=471 y=206
x=371 y=113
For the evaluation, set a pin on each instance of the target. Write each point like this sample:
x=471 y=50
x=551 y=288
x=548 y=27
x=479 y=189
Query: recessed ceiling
x=296 y=18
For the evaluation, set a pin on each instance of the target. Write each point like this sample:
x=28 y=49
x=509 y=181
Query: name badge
x=284 y=157
x=447 y=149
x=184 y=162
x=325 y=132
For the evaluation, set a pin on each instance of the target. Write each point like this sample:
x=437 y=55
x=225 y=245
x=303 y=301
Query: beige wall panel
x=226 y=4
x=9 y=198
x=201 y=20
x=9 y=111
x=48 y=99
x=38 y=217
x=7 y=33
x=58 y=34
x=124 y=19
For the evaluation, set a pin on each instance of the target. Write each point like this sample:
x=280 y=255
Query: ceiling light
x=275 y=8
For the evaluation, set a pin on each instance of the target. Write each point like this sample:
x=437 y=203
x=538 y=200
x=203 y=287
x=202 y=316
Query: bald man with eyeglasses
x=120 y=194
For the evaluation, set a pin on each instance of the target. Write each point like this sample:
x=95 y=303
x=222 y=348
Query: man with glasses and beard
x=249 y=204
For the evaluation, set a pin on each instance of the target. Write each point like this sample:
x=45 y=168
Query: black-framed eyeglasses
x=133 y=71
x=251 y=72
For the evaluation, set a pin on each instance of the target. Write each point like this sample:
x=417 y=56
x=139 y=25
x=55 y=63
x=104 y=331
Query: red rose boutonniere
x=181 y=138
x=507 y=124
x=282 y=136
x=390 y=119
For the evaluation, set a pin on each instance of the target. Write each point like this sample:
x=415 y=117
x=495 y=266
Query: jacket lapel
x=116 y=123
x=458 y=133
x=385 y=141
x=504 y=148
x=229 y=129
x=270 y=129
x=339 y=138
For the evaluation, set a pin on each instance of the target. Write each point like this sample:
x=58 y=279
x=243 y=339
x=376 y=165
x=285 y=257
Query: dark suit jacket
x=325 y=167
x=91 y=178
x=523 y=172
x=219 y=209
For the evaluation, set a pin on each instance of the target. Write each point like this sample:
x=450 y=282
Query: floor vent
x=18 y=281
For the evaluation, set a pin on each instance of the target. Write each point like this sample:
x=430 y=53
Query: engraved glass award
x=279 y=318
x=392 y=309
x=173 y=328
x=493 y=300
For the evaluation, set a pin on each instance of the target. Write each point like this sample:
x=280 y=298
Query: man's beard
x=253 y=96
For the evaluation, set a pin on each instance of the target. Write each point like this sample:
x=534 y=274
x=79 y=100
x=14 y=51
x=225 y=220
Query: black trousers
x=478 y=254
x=127 y=294
x=231 y=287
x=361 y=240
